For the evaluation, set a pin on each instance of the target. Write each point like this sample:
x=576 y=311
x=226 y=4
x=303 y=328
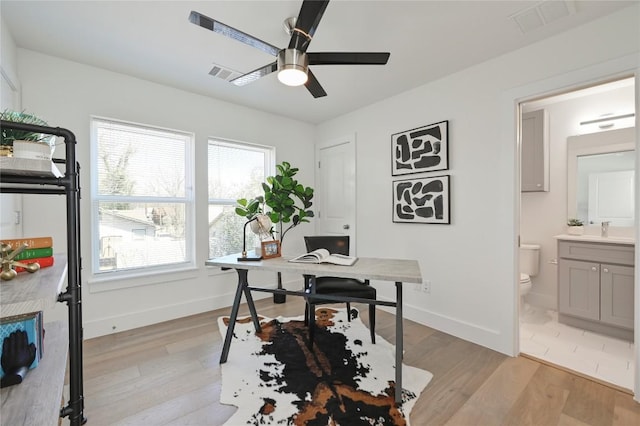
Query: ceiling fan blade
x=225 y=30
x=255 y=74
x=313 y=85
x=308 y=19
x=348 y=58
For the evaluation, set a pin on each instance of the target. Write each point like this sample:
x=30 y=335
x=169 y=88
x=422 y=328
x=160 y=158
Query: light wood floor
x=168 y=374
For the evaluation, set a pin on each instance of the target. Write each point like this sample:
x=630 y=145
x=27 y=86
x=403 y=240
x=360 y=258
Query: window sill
x=117 y=281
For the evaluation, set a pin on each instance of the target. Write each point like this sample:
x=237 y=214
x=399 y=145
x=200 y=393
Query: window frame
x=188 y=200
x=269 y=168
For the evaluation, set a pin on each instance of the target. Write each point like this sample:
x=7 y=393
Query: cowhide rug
x=274 y=379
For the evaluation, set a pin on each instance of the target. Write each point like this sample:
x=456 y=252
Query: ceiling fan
x=293 y=62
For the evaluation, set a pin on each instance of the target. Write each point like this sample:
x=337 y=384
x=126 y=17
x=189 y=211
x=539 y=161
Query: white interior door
x=335 y=195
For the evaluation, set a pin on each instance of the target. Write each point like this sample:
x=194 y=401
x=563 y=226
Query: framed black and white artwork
x=422 y=200
x=424 y=149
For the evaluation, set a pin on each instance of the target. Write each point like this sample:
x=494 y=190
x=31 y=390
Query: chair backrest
x=334 y=243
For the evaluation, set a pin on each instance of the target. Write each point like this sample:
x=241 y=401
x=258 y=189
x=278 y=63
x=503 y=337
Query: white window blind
x=142 y=201
x=236 y=170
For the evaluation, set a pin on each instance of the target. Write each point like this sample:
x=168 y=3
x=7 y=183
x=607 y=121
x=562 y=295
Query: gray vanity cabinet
x=595 y=287
x=579 y=292
x=616 y=295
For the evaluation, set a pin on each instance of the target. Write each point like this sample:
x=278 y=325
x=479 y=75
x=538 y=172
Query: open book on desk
x=323 y=256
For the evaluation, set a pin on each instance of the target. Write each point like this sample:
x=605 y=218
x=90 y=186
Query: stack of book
x=39 y=250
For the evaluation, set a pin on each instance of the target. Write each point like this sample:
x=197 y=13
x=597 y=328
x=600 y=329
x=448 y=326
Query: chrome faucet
x=604 y=230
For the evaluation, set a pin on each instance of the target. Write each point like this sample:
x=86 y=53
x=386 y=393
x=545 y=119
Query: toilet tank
x=529 y=259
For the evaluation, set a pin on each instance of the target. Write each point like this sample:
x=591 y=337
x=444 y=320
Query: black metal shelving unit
x=69 y=186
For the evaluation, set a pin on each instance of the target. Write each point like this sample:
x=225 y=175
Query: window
x=142 y=198
x=236 y=170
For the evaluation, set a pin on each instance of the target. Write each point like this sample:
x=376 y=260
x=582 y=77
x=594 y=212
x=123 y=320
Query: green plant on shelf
x=11 y=135
x=575 y=222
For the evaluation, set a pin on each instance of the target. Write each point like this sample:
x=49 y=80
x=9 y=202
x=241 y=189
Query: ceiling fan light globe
x=292 y=76
x=292 y=66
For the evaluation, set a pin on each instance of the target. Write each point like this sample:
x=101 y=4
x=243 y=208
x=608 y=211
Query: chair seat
x=344 y=287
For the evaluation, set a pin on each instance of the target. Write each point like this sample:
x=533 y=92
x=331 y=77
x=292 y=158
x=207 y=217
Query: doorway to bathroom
x=548 y=199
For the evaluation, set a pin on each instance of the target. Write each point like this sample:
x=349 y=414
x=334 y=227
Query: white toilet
x=529 y=267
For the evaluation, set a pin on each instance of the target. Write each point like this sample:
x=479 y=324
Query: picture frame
x=422 y=200
x=423 y=149
x=270 y=249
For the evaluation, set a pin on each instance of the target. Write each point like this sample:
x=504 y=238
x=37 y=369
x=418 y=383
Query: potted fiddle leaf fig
x=23 y=143
x=290 y=201
x=290 y=204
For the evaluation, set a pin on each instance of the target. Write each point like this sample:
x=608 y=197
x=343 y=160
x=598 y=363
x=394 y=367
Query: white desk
x=393 y=270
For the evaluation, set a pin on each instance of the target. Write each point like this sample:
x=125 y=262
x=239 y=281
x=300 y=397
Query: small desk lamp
x=244 y=244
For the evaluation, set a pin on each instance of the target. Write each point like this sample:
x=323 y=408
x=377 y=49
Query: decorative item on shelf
x=9 y=264
x=22 y=143
x=22 y=342
x=575 y=226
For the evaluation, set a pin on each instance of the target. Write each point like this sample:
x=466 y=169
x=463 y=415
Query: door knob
x=605 y=270
x=594 y=268
x=345 y=226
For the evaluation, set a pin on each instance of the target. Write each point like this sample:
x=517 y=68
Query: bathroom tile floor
x=604 y=358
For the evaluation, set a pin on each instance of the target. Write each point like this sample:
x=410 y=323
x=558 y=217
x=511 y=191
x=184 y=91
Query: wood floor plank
x=590 y=402
x=626 y=411
x=173 y=409
x=547 y=388
x=169 y=374
x=491 y=403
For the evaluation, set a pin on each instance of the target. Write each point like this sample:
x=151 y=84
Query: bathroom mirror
x=601 y=176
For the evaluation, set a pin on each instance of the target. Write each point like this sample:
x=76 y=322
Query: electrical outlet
x=426 y=286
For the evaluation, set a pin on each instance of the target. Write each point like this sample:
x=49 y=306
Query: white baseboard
x=131 y=320
x=467 y=331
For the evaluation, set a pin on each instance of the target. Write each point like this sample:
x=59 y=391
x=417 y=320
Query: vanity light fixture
x=607 y=118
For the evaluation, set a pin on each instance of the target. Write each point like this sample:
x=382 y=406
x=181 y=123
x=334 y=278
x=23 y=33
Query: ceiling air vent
x=543 y=14
x=224 y=73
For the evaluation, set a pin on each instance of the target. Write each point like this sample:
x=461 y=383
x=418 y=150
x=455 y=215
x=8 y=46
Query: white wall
x=10 y=90
x=66 y=94
x=544 y=214
x=471 y=263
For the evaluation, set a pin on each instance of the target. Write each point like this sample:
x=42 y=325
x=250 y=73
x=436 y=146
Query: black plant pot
x=279 y=298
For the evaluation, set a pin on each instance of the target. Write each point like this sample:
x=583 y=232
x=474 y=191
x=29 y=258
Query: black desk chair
x=336 y=286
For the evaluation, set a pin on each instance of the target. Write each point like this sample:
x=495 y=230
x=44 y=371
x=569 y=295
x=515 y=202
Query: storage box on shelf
x=34 y=401
x=34 y=292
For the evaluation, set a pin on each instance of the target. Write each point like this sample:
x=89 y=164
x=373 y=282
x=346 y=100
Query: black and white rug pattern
x=275 y=379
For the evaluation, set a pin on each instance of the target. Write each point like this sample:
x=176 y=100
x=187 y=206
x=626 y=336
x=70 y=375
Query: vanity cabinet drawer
x=597 y=252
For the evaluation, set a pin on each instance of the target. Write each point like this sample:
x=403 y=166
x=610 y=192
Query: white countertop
x=596 y=239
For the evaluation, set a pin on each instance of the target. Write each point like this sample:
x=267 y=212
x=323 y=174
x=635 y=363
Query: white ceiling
x=154 y=40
